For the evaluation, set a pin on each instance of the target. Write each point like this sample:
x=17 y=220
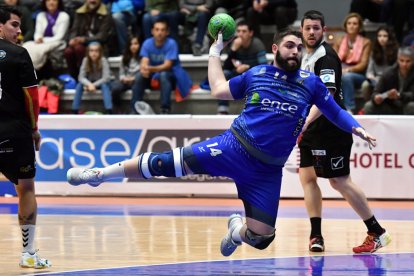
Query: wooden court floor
x=181 y=236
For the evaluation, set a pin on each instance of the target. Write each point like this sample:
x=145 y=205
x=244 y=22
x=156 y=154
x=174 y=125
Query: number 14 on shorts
x=213 y=151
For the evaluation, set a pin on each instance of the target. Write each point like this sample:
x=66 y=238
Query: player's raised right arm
x=219 y=86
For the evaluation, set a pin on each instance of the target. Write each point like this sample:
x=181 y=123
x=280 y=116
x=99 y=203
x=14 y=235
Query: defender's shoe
x=373 y=242
x=77 y=176
x=316 y=244
x=28 y=260
x=228 y=246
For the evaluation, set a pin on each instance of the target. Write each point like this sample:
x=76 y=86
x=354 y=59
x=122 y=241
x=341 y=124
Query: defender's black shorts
x=17 y=158
x=328 y=161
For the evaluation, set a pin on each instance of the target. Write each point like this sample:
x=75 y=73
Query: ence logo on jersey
x=273 y=105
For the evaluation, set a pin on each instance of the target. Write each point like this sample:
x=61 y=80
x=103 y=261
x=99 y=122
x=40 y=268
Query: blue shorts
x=258 y=184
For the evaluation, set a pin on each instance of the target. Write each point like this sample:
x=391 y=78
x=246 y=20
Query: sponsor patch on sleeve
x=327 y=76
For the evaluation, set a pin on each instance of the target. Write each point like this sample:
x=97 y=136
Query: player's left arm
x=31 y=99
x=219 y=86
x=340 y=117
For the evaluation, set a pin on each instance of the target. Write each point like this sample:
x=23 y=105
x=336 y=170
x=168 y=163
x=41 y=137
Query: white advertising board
x=387 y=171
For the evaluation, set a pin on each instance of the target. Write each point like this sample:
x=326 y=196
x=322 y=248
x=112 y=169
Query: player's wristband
x=214 y=52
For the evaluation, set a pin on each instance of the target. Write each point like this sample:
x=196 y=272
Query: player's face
x=11 y=29
x=312 y=31
x=159 y=31
x=288 y=54
x=382 y=38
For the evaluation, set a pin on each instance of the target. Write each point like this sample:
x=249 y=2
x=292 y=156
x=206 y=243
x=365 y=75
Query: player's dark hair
x=278 y=37
x=313 y=15
x=7 y=11
x=60 y=7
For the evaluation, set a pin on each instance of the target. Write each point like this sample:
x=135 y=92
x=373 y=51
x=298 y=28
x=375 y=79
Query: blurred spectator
x=27 y=23
x=51 y=28
x=159 y=61
x=32 y=5
x=373 y=10
x=246 y=51
x=125 y=20
x=234 y=8
x=354 y=50
x=402 y=17
x=281 y=13
x=164 y=9
x=71 y=6
x=394 y=93
x=94 y=73
x=408 y=40
x=383 y=56
x=92 y=22
x=197 y=13
x=128 y=71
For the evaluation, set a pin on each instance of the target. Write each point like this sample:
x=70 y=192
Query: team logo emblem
x=2 y=54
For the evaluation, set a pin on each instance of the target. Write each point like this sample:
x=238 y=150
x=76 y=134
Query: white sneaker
x=77 y=176
x=28 y=260
x=228 y=246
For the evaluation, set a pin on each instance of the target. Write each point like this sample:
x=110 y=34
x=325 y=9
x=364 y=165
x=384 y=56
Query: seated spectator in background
x=402 y=17
x=246 y=51
x=51 y=28
x=92 y=22
x=354 y=50
x=161 y=9
x=124 y=17
x=128 y=71
x=383 y=56
x=71 y=6
x=394 y=93
x=234 y=8
x=373 y=10
x=94 y=73
x=27 y=23
x=159 y=61
x=32 y=5
x=197 y=13
x=281 y=13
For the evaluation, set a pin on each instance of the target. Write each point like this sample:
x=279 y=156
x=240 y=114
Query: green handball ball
x=224 y=22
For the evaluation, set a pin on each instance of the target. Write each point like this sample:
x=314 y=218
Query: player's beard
x=314 y=46
x=285 y=65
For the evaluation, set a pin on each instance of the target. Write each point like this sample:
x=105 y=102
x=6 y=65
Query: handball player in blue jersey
x=255 y=148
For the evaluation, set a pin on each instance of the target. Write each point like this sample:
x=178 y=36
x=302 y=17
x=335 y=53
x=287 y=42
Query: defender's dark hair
x=7 y=11
x=313 y=15
x=278 y=37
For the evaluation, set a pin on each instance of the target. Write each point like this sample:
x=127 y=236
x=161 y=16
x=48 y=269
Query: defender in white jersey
x=325 y=149
x=254 y=150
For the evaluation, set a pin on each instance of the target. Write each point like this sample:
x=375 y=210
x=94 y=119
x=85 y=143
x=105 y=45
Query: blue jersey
x=277 y=104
